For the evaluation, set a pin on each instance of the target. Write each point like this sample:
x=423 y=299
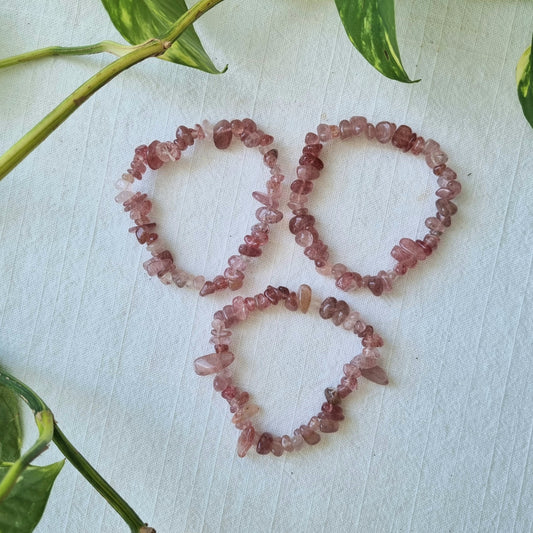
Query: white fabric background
x=447 y=445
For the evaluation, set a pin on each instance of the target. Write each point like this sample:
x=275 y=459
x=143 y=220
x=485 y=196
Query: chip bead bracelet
x=331 y=413
x=408 y=252
x=139 y=206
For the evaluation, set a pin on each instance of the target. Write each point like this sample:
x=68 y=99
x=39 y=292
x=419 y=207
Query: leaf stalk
x=55 y=118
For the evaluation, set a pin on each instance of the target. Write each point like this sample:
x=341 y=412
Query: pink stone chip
x=212 y=363
x=375 y=374
x=246 y=440
x=222 y=134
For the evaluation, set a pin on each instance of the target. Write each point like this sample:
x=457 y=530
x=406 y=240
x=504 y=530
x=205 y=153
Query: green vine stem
x=49 y=431
x=45 y=423
x=105 y=46
x=152 y=48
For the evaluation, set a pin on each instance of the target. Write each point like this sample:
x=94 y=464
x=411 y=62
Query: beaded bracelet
x=155 y=155
x=331 y=413
x=409 y=252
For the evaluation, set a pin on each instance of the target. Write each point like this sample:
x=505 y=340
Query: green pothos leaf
x=141 y=20
x=10 y=426
x=371 y=29
x=21 y=511
x=524 y=82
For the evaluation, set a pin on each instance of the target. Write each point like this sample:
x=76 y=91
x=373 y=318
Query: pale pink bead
x=338 y=270
x=122 y=184
x=351 y=370
x=166 y=278
x=155 y=247
x=450 y=191
x=435 y=224
x=198 y=282
x=167 y=151
x=359 y=125
x=307 y=172
x=127 y=177
x=277 y=447
x=222 y=380
x=371 y=354
x=304 y=238
x=237 y=262
x=375 y=374
x=241 y=311
x=350 y=321
x=297 y=440
x=123 y=196
x=349 y=281
x=208 y=129
x=245 y=413
x=180 y=278
x=418 y=146
x=434 y=155
x=218 y=325
x=266 y=199
x=385 y=131
x=269 y=216
x=246 y=441
x=324 y=133
x=273 y=188
x=359 y=327
x=325 y=270
x=212 y=363
x=448 y=174
x=286 y=442
x=365 y=361
x=387 y=277
x=310 y=436
x=222 y=338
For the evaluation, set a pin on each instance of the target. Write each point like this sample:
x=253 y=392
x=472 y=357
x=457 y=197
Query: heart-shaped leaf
x=10 y=426
x=371 y=28
x=21 y=511
x=141 y=20
x=524 y=82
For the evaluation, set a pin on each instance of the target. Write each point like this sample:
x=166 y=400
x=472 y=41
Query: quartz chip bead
x=403 y=138
x=246 y=440
x=375 y=374
x=304 y=297
x=264 y=444
x=310 y=436
x=359 y=125
x=212 y=363
x=222 y=134
x=433 y=154
x=385 y=131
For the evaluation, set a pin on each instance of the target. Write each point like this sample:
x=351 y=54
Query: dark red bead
x=308 y=159
x=250 y=251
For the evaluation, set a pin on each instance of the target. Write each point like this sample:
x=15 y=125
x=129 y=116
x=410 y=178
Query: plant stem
x=97 y=481
x=45 y=423
x=49 y=431
x=105 y=46
x=43 y=129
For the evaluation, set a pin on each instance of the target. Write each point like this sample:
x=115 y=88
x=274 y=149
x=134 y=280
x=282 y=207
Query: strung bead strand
x=139 y=206
x=331 y=413
x=408 y=252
